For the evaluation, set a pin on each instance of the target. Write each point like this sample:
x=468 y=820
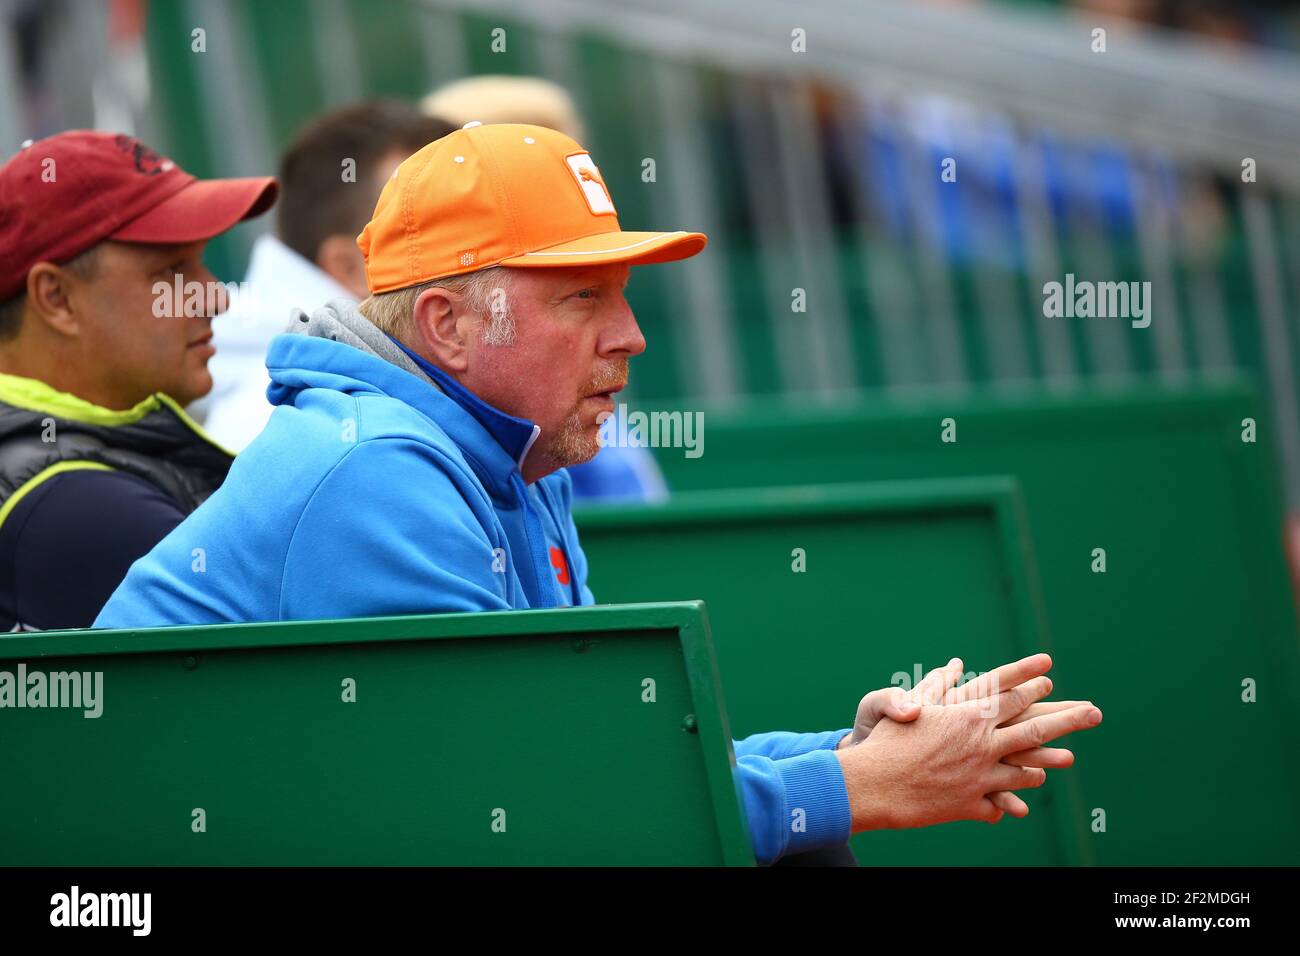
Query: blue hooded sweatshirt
x=361 y=421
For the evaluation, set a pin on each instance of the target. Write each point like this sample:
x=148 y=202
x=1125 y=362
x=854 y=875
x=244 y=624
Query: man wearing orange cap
x=415 y=463
x=97 y=460
x=494 y=338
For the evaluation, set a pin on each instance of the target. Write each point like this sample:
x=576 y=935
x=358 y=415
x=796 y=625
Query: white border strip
x=519 y=463
x=601 y=252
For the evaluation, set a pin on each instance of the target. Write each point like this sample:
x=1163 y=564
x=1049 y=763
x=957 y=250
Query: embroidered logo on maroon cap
x=145 y=159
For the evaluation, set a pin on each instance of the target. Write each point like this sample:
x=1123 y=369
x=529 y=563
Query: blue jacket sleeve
x=781 y=743
x=794 y=804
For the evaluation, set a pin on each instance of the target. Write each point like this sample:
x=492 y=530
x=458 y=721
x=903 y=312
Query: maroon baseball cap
x=60 y=196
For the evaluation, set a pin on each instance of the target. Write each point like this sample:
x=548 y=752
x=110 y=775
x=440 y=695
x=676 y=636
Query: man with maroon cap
x=98 y=462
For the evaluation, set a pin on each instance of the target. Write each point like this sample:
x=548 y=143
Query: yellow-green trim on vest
x=35 y=396
x=30 y=484
x=191 y=424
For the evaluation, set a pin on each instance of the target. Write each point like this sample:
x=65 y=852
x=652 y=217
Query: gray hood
x=340 y=321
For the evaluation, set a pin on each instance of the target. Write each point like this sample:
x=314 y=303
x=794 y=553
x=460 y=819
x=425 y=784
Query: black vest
x=160 y=445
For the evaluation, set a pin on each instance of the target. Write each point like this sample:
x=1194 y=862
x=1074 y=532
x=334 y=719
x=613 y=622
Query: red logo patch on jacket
x=561 y=568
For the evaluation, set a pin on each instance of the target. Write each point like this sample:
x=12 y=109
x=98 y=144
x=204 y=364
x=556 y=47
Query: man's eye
x=585 y=294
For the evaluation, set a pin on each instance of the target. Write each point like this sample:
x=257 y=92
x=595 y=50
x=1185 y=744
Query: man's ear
x=437 y=314
x=340 y=259
x=49 y=298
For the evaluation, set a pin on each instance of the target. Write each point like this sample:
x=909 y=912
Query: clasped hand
x=942 y=752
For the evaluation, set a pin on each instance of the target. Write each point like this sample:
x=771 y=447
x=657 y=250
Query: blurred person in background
x=506 y=99
x=330 y=177
x=618 y=472
x=105 y=332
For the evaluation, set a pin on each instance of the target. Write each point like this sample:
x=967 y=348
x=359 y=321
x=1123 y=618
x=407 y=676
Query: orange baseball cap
x=507 y=195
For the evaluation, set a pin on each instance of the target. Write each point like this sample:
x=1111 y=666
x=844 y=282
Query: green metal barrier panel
x=1187 y=640
x=896 y=578
x=522 y=737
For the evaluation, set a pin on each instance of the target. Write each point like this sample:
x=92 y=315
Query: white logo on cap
x=591 y=182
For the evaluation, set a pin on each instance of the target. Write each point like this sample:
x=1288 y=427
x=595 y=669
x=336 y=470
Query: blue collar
x=515 y=435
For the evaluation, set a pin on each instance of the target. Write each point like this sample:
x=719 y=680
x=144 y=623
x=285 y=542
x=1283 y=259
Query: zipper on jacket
x=536 y=536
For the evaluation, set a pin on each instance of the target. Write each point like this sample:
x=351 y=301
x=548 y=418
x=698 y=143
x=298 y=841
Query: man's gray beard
x=574 y=443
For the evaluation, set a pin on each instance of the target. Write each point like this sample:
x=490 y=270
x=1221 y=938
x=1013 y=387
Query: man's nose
x=623 y=335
